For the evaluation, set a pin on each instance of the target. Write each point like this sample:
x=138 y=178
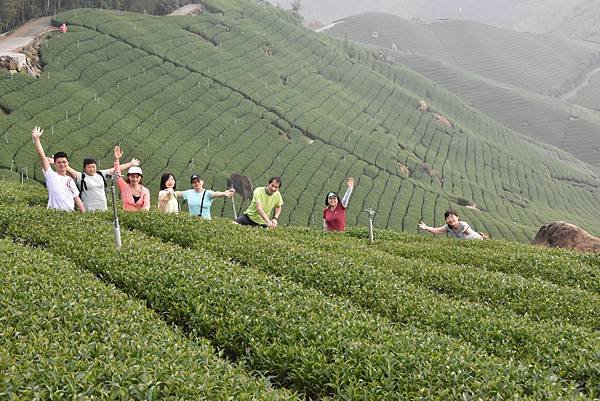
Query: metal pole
x=371 y=213
x=115 y=215
x=233 y=206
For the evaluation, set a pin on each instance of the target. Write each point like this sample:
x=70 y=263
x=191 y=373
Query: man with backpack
x=92 y=182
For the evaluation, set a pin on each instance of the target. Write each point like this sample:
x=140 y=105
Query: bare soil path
x=24 y=34
x=187 y=10
x=12 y=42
x=573 y=92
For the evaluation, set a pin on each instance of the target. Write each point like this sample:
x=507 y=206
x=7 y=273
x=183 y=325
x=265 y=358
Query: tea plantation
x=191 y=309
x=245 y=88
x=514 y=77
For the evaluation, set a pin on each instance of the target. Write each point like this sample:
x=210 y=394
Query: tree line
x=14 y=13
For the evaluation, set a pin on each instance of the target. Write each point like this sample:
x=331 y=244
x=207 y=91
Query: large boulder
x=560 y=234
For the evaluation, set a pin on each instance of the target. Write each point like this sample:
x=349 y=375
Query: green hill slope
x=327 y=315
x=246 y=89
x=544 y=118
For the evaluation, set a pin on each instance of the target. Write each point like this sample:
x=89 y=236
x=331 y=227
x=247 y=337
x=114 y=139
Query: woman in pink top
x=334 y=214
x=134 y=195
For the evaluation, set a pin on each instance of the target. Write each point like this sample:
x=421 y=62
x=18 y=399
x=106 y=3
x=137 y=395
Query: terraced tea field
x=507 y=75
x=192 y=308
x=244 y=88
x=547 y=119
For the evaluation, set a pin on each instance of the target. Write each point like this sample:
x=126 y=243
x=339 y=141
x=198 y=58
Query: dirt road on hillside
x=24 y=35
x=186 y=10
x=573 y=92
x=12 y=42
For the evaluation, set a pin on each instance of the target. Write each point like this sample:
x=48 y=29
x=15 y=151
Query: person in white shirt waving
x=62 y=191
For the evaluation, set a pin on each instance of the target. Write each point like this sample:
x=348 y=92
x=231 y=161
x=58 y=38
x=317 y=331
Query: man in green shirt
x=264 y=200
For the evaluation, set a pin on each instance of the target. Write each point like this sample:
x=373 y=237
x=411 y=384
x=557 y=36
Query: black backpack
x=83 y=185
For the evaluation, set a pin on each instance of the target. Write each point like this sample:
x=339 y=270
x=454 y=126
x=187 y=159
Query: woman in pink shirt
x=134 y=195
x=334 y=214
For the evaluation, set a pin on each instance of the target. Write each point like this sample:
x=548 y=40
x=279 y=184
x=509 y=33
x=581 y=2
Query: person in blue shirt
x=199 y=199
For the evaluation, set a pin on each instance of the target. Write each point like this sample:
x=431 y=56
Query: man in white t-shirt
x=62 y=191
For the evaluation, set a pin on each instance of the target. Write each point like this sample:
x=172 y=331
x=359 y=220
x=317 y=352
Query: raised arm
x=133 y=162
x=118 y=154
x=223 y=194
x=73 y=173
x=346 y=197
x=36 y=135
x=117 y=168
x=433 y=230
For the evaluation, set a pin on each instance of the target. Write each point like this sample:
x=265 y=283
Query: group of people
x=69 y=189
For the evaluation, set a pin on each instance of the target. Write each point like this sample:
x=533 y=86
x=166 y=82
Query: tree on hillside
x=8 y=11
x=296 y=7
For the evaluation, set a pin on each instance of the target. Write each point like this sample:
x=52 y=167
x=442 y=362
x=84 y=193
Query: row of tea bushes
x=66 y=335
x=322 y=346
x=538 y=322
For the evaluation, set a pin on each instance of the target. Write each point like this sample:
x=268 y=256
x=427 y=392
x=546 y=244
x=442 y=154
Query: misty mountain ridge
x=522 y=80
x=541 y=16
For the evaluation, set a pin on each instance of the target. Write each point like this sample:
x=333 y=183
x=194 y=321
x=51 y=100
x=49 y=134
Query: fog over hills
x=516 y=78
x=520 y=15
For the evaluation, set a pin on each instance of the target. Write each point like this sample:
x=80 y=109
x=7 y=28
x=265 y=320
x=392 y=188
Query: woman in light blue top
x=199 y=200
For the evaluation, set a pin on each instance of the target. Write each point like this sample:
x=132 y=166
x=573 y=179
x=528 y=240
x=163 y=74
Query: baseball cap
x=134 y=170
x=332 y=195
x=195 y=177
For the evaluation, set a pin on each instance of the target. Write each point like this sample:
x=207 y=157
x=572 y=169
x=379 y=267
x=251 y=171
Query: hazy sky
x=522 y=15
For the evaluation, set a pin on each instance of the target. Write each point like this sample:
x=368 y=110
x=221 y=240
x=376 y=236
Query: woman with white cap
x=133 y=193
x=334 y=215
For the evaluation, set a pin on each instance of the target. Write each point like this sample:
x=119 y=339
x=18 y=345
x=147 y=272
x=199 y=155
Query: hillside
x=193 y=308
x=507 y=75
x=542 y=64
x=244 y=88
